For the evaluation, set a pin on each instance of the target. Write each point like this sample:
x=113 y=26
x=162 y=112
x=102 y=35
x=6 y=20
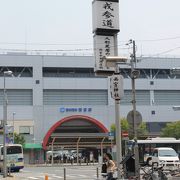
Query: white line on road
x=70 y=176
x=80 y=175
x=59 y=177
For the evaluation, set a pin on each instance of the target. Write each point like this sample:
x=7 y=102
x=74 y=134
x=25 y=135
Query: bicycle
x=156 y=173
x=149 y=173
x=175 y=172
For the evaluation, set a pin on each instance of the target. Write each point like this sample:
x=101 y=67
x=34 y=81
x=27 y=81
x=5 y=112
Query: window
x=75 y=97
x=24 y=130
x=155 y=153
x=12 y=150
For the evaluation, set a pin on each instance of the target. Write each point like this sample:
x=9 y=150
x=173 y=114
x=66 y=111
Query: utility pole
x=5 y=103
x=134 y=75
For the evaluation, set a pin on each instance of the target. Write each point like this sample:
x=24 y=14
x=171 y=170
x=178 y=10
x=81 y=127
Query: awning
x=32 y=146
x=82 y=140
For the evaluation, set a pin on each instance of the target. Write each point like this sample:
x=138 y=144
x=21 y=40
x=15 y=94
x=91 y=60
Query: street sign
x=138 y=118
x=125 y=134
x=116 y=86
x=103 y=46
x=8 y=129
x=111 y=135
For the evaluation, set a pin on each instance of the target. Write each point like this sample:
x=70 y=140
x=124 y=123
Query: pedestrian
x=104 y=170
x=72 y=159
x=110 y=166
x=91 y=157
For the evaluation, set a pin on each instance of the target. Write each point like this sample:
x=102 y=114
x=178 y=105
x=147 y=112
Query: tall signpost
x=105 y=29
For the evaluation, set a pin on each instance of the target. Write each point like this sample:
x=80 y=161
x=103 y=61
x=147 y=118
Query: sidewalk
x=61 y=164
x=8 y=177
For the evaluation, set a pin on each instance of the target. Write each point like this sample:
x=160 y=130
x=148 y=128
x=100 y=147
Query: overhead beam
x=77 y=135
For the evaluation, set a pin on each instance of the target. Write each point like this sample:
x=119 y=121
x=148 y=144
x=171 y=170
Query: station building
x=52 y=98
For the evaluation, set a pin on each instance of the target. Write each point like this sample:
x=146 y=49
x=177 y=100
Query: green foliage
x=141 y=130
x=171 y=130
x=113 y=127
x=19 y=139
x=124 y=125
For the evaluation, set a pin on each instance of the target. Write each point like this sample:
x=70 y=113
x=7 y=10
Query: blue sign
x=75 y=109
x=110 y=133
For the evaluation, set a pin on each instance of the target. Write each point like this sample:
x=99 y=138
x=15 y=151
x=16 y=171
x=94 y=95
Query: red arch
x=69 y=118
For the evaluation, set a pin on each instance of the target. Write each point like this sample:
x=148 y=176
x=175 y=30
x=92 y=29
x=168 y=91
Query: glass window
x=12 y=150
x=24 y=130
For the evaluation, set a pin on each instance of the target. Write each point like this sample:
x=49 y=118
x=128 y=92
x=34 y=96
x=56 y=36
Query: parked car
x=166 y=157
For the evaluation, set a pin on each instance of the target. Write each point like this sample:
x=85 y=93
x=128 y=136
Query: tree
x=141 y=129
x=124 y=125
x=171 y=130
x=19 y=139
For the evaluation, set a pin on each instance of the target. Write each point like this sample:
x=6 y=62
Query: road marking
x=32 y=178
x=60 y=177
x=25 y=171
x=80 y=175
x=70 y=176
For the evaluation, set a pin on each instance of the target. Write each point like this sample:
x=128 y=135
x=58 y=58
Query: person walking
x=91 y=157
x=110 y=166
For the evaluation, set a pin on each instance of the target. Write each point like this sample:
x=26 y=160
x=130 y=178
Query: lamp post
x=5 y=102
x=13 y=125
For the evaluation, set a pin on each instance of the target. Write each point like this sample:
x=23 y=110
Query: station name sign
x=75 y=109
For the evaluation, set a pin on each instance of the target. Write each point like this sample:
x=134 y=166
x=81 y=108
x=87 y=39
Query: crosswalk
x=58 y=173
x=53 y=177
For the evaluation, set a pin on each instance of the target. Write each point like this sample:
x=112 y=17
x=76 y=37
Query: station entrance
x=79 y=133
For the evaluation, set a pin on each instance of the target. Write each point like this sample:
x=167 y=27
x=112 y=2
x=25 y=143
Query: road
x=72 y=173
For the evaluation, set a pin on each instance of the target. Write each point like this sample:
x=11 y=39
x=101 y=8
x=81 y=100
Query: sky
x=66 y=26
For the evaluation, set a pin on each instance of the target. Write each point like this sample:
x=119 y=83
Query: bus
x=15 y=158
x=146 y=146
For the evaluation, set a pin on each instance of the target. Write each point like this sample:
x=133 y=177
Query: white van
x=166 y=156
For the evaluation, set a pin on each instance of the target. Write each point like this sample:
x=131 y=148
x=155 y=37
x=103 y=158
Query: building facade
x=45 y=89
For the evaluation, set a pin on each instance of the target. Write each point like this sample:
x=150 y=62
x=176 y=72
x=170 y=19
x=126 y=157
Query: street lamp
x=113 y=62
x=5 y=102
x=13 y=125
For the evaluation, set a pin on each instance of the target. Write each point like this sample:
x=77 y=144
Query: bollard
x=46 y=177
x=97 y=172
x=64 y=173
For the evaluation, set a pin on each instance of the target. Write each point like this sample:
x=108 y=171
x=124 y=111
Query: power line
x=161 y=39
x=164 y=52
x=78 y=49
x=74 y=44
